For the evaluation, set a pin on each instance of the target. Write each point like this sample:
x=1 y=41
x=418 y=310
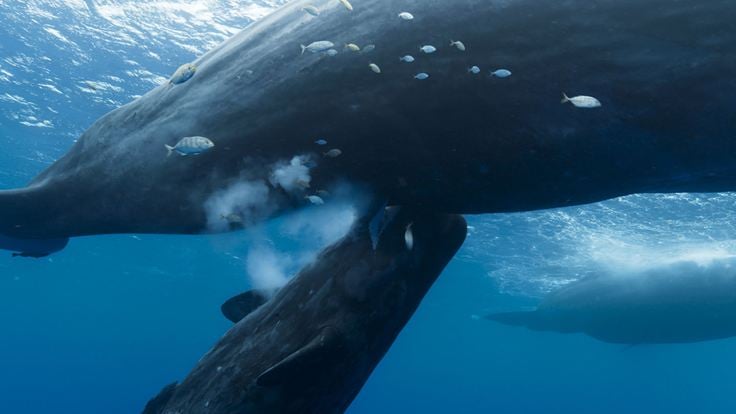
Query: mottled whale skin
x=311 y=347
x=455 y=143
x=683 y=304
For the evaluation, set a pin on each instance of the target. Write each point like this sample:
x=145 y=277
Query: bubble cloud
x=293 y=176
x=249 y=200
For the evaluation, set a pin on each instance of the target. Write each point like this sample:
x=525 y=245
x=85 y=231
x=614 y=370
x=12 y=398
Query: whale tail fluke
x=513 y=318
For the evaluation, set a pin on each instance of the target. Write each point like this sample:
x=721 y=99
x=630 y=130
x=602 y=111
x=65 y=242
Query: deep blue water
x=103 y=325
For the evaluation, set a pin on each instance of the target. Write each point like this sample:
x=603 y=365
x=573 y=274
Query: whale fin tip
x=238 y=307
x=523 y=318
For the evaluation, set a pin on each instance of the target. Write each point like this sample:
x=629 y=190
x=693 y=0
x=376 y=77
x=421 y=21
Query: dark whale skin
x=455 y=143
x=311 y=347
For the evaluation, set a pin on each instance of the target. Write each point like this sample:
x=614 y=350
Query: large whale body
x=454 y=143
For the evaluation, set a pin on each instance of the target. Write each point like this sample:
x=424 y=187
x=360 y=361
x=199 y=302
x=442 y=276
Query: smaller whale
x=310 y=348
x=681 y=303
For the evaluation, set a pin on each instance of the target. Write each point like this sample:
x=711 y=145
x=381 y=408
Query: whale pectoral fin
x=296 y=367
x=514 y=318
x=238 y=307
x=35 y=248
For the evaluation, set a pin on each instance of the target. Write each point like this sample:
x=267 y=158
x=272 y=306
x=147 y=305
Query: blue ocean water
x=103 y=325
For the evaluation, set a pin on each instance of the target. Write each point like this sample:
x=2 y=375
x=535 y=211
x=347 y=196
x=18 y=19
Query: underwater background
x=102 y=326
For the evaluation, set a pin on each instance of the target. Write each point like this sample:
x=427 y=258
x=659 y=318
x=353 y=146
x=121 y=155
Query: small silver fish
x=409 y=237
x=406 y=16
x=315 y=199
x=501 y=73
x=331 y=52
x=333 y=153
x=407 y=58
x=421 y=76
x=474 y=70
x=232 y=218
x=352 y=47
x=582 y=101
x=313 y=10
x=374 y=68
x=183 y=74
x=347 y=5
x=428 y=49
x=319 y=46
x=458 y=44
x=369 y=48
x=320 y=142
x=191 y=146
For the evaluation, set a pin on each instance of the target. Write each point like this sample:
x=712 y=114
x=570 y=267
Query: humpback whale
x=454 y=143
x=683 y=303
x=311 y=347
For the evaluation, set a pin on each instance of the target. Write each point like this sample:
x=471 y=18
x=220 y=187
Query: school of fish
x=195 y=145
